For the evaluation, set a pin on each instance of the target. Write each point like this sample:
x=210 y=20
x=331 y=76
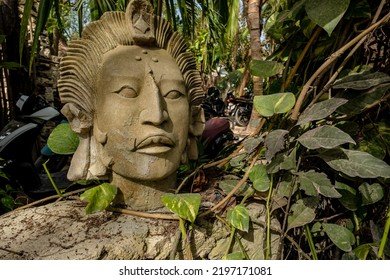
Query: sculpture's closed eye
x=173 y=94
x=127 y=91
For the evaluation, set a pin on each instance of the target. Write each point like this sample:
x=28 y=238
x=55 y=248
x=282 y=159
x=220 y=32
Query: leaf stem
x=267 y=205
x=51 y=179
x=384 y=236
x=311 y=242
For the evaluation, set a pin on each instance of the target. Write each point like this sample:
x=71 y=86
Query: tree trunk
x=253 y=20
x=17 y=80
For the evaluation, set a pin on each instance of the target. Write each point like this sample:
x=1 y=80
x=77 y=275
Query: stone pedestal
x=63 y=231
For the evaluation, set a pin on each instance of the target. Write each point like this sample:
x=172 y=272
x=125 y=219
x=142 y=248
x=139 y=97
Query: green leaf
x=275 y=142
x=301 y=215
x=99 y=197
x=283 y=161
x=361 y=81
x=278 y=103
x=320 y=110
x=252 y=143
x=238 y=217
x=265 y=68
x=362 y=251
x=356 y=163
x=23 y=25
x=371 y=193
x=8 y=202
x=340 y=236
x=259 y=177
x=227 y=185
x=43 y=14
x=326 y=13
x=185 y=205
x=348 y=197
x=359 y=101
x=10 y=65
x=325 y=136
x=63 y=140
x=314 y=183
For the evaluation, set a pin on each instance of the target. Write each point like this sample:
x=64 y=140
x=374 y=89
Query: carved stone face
x=142 y=112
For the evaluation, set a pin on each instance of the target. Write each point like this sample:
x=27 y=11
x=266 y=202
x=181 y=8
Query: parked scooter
x=21 y=153
x=237 y=109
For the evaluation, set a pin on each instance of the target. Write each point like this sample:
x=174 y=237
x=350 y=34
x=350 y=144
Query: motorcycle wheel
x=242 y=116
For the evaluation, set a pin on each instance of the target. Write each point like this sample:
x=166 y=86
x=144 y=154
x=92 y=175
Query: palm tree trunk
x=253 y=20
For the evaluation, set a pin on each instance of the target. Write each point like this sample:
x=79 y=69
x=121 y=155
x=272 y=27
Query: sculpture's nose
x=154 y=111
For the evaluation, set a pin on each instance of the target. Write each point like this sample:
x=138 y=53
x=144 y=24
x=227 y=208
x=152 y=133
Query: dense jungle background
x=317 y=146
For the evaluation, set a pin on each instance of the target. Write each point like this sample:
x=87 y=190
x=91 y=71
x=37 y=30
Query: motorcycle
x=236 y=109
x=239 y=108
x=21 y=154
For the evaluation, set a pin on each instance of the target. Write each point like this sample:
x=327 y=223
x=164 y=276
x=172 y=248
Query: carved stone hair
x=137 y=26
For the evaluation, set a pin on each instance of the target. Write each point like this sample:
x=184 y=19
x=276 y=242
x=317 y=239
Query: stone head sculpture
x=132 y=93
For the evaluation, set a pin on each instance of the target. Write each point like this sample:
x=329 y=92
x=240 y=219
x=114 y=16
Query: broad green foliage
x=99 y=197
x=320 y=110
x=314 y=183
x=258 y=175
x=356 y=164
x=325 y=136
x=63 y=140
x=326 y=13
x=227 y=186
x=275 y=142
x=239 y=218
x=278 y=103
x=301 y=214
x=340 y=236
x=265 y=68
x=186 y=205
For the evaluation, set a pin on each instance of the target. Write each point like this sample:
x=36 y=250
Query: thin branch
x=233 y=191
x=329 y=62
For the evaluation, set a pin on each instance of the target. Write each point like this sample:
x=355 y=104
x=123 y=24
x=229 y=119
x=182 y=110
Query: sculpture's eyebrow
x=167 y=84
x=118 y=82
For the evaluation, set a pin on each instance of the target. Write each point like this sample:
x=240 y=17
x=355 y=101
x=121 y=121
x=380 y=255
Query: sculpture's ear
x=197 y=121
x=81 y=123
x=196 y=129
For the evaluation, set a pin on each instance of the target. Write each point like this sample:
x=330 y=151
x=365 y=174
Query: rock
x=62 y=230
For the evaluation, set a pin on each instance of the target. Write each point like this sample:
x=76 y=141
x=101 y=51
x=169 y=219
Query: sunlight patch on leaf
x=99 y=197
x=186 y=205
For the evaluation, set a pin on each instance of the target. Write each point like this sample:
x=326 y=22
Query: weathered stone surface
x=62 y=230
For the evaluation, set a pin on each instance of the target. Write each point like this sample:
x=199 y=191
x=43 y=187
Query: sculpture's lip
x=155 y=144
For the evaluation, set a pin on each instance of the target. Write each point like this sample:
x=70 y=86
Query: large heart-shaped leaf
x=301 y=215
x=356 y=163
x=325 y=136
x=259 y=177
x=265 y=68
x=278 y=103
x=275 y=142
x=340 y=236
x=99 y=197
x=362 y=81
x=63 y=140
x=239 y=218
x=320 y=110
x=371 y=193
x=326 y=13
x=349 y=198
x=186 y=205
x=227 y=185
x=314 y=183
